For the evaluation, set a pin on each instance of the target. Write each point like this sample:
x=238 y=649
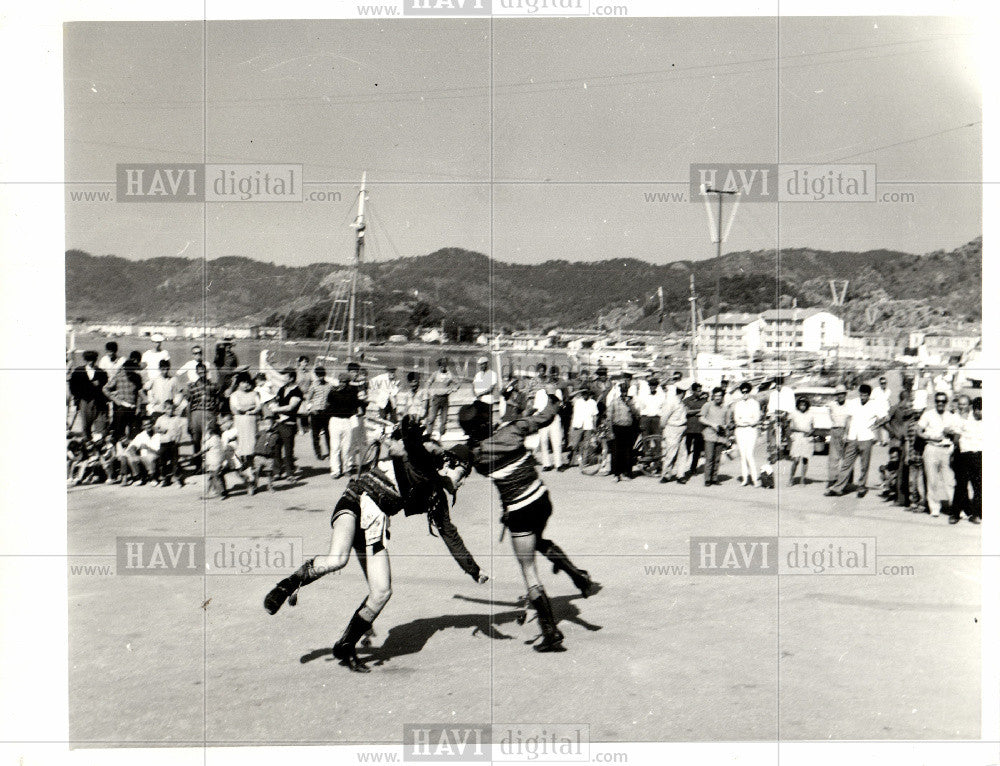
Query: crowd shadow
x=412 y=637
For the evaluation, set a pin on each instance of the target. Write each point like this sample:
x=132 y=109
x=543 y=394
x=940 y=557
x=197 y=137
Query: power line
x=534 y=86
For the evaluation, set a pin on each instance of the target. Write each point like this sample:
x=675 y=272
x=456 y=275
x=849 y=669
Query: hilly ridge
x=888 y=289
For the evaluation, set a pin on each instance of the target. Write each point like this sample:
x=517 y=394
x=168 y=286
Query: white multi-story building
x=738 y=334
x=800 y=330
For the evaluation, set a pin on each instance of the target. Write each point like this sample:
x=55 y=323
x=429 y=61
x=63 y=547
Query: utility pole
x=718 y=257
x=359 y=252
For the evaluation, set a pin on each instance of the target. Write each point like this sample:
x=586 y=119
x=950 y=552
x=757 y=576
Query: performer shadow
x=412 y=637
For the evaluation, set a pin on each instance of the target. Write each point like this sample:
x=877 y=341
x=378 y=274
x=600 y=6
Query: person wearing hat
x=152 y=357
x=745 y=415
x=673 y=422
x=485 y=383
x=838 y=427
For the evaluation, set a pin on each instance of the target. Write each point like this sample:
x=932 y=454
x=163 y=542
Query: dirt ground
x=659 y=654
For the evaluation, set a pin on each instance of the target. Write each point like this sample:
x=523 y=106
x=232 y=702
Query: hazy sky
x=585 y=117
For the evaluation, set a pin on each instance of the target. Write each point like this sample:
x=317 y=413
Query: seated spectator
x=143 y=453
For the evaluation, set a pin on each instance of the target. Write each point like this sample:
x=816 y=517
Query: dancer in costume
x=405 y=473
x=500 y=454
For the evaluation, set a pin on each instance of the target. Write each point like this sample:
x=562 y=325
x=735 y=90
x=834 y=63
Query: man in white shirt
x=745 y=414
x=111 y=362
x=550 y=438
x=382 y=392
x=935 y=426
x=188 y=373
x=969 y=462
x=583 y=422
x=144 y=452
x=485 y=382
x=864 y=416
x=152 y=357
x=650 y=402
x=882 y=394
x=780 y=404
x=162 y=387
x=673 y=420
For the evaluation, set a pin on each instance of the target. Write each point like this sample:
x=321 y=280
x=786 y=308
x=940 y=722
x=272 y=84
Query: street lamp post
x=718 y=257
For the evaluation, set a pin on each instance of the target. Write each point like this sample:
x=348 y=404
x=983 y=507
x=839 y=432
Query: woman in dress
x=801 y=427
x=245 y=405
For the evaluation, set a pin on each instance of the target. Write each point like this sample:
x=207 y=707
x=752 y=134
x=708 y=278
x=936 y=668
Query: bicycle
x=595 y=455
x=648 y=451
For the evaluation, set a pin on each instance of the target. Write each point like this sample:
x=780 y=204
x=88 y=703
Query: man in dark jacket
x=86 y=386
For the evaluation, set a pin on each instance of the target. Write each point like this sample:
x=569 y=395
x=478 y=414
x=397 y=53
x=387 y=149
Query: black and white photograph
x=501 y=381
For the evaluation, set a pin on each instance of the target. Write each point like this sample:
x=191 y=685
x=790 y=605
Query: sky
x=527 y=139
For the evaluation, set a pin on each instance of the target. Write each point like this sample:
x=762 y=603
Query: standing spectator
x=224 y=365
x=584 y=421
x=780 y=405
x=244 y=404
x=650 y=404
x=881 y=395
x=214 y=455
x=123 y=390
x=550 y=437
x=674 y=418
x=624 y=425
x=801 y=426
x=863 y=417
x=713 y=421
x=86 y=387
x=694 y=441
x=745 y=414
x=412 y=400
x=934 y=426
x=441 y=385
x=898 y=427
x=485 y=384
x=314 y=405
x=303 y=379
x=968 y=462
x=188 y=373
x=152 y=357
x=358 y=377
x=170 y=427
x=264 y=390
x=203 y=400
x=921 y=389
x=838 y=430
x=383 y=390
x=160 y=388
x=342 y=404
x=111 y=362
x=286 y=407
x=267 y=453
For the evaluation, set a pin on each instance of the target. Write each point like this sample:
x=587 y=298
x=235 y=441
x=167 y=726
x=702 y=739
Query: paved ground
x=655 y=656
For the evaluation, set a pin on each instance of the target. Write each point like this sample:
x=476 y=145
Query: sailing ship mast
x=359 y=252
x=692 y=346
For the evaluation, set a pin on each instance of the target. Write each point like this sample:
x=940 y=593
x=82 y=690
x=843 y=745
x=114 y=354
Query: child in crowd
x=266 y=453
x=170 y=426
x=214 y=456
